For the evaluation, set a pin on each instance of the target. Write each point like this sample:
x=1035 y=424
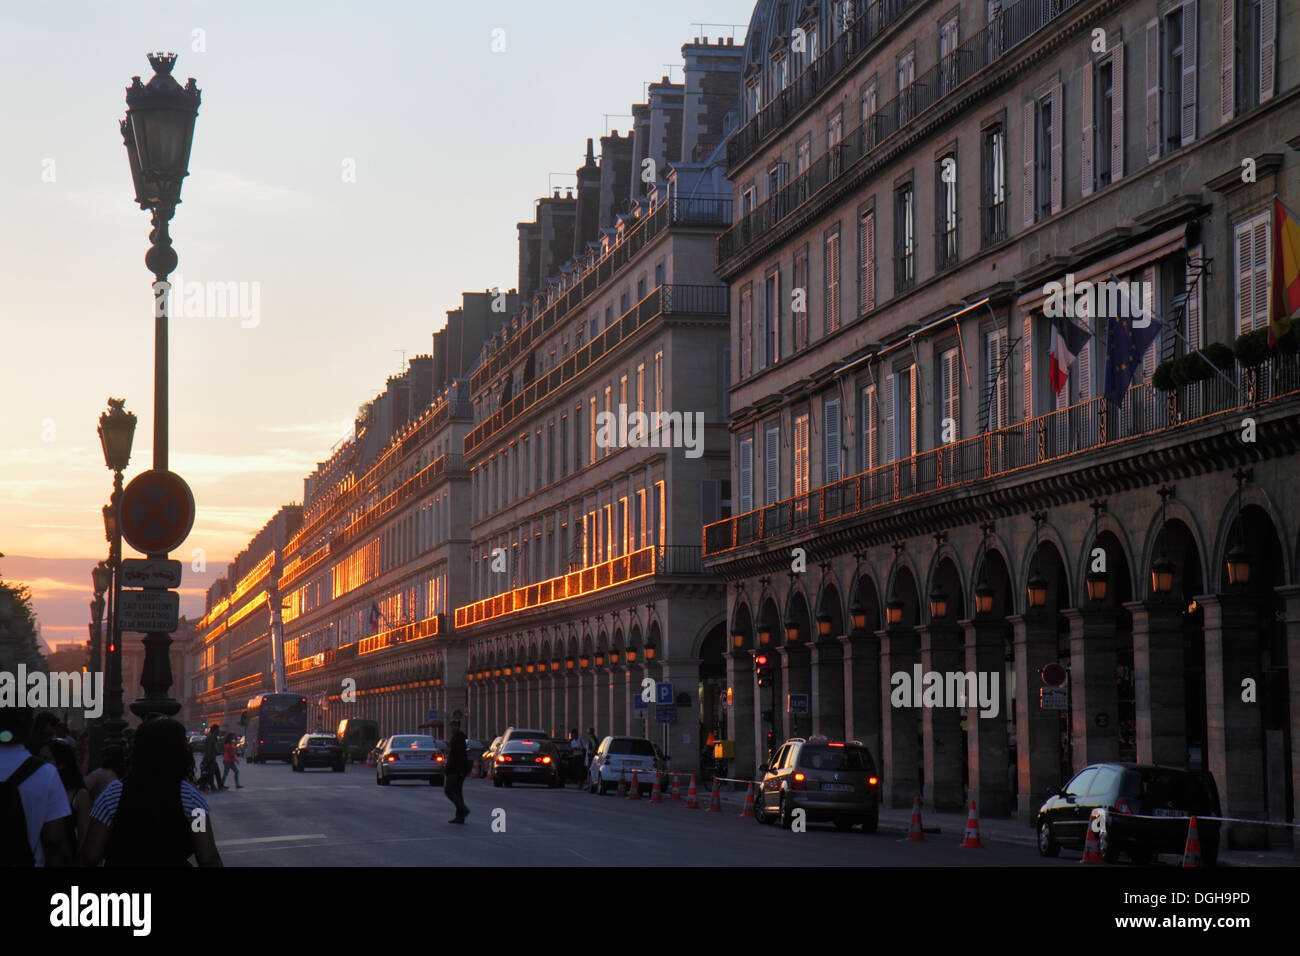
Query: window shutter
x=1192 y=327
x=1153 y=91
x=771 y=469
x=1089 y=134
x=746 y=333
x=1117 y=112
x=831 y=440
x=1189 y=72
x=1245 y=293
x=870 y=449
x=912 y=410
x=1058 y=132
x=867 y=261
x=1267 y=47
x=951 y=392
x=1227 y=60
x=891 y=416
x=1027 y=354
x=1149 y=299
x=832 y=265
x=1260 y=244
x=1085 y=367
x=746 y=476
x=1027 y=131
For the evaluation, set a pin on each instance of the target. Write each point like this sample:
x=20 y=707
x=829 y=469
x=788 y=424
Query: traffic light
x=762 y=669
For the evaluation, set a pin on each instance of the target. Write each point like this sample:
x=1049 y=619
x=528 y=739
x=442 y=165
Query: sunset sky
x=451 y=144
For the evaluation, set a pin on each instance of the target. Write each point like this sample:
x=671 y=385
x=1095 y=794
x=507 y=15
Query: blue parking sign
x=663 y=693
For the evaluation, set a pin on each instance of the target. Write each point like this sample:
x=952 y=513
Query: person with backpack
x=154 y=816
x=34 y=808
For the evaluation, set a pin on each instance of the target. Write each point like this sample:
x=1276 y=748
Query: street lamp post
x=116 y=432
x=158 y=132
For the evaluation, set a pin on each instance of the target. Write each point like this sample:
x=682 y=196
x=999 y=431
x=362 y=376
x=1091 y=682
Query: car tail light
x=1121 y=806
x=438 y=757
x=797 y=782
x=504 y=758
x=872 y=781
x=543 y=759
x=391 y=758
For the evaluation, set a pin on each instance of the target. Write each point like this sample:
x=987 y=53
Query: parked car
x=489 y=756
x=358 y=736
x=532 y=734
x=829 y=780
x=527 y=760
x=195 y=740
x=318 y=750
x=410 y=755
x=1129 y=800
x=618 y=757
x=239 y=746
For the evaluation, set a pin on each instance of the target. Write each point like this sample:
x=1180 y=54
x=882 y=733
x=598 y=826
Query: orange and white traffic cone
x=715 y=800
x=676 y=792
x=1192 y=851
x=749 y=802
x=634 y=792
x=692 y=798
x=622 y=783
x=1092 y=847
x=656 y=795
x=914 y=828
x=972 y=841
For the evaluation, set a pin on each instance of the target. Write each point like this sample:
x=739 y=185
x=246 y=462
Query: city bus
x=273 y=724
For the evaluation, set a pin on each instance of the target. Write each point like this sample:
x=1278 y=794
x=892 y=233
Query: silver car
x=618 y=757
x=411 y=755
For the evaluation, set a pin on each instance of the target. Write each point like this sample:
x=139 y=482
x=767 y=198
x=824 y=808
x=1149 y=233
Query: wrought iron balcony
x=1052 y=437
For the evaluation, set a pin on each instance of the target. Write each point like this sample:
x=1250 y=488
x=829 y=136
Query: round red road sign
x=157 y=512
x=1053 y=674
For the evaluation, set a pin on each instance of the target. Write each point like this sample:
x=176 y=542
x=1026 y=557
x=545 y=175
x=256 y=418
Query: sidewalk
x=942 y=826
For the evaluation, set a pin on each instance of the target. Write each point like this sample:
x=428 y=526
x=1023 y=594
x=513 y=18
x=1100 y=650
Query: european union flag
x=1125 y=346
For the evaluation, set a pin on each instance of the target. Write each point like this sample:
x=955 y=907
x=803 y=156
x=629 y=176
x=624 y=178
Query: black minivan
x=1143 y=809
x=358 y=737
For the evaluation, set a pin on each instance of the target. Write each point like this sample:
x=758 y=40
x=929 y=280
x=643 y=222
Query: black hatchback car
x=1143 y=811
x=318 y=750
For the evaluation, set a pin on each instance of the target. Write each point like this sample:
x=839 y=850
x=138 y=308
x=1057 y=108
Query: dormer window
x=780 y=71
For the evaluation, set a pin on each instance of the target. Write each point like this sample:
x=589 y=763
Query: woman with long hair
x=154 y=816
x=63 y=754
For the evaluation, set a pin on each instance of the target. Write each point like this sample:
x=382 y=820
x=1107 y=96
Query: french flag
x=1067 y=341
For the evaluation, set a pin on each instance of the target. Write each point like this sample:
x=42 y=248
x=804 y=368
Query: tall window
x=803 y=155
x=801 y=454
x=799 y=298
x=904 y=239
x=746 y=331
x=591 y=446
x=997 y=379
x=831 y=441
x=831 y=297
x=869 y=107
x=745 y=468
x=906 y=76
x=640 y=387
x=868 y=430
x=993 y=185
x=577 y=437
x=834 y=133
x=772 y=318
x=945 y=228
x=1171 y=66
x=1043 y=158
x=1246 y=77
x=1171 y=81
x=947 y=47
x=659 y=381
x=1103 y=108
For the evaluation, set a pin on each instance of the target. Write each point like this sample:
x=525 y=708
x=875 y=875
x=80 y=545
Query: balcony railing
x=664 y=300
x=673 y=559
x=1057 y=435
x=677 y=212
x=1009 y=28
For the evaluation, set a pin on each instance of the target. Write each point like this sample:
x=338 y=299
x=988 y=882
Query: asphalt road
x=319 y=818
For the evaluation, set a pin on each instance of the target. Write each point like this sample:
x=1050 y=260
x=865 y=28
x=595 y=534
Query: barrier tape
x=1147 y=816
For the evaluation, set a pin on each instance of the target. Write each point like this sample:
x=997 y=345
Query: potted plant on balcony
x=1251 y=348
x=1163 y=377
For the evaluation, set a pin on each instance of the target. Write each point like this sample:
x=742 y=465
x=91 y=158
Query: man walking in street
x=457 y=768
x=208 y=769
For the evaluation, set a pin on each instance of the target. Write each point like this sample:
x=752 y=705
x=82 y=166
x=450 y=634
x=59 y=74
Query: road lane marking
x=274 y=839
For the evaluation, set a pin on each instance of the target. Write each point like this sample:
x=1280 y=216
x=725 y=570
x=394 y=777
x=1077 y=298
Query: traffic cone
x=1092 y=847
x=972 y=841
x=914 y=828
x=622 y=783
x=1192 y=851
x=715 y=800
x=692 y=798
x=634 y=793
x=749 y=802
x=676 y=792
x=656 y=795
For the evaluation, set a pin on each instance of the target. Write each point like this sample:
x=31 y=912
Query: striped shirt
x=106 y=804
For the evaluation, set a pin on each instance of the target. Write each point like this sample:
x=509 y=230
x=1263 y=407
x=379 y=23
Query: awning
x=1125 y=261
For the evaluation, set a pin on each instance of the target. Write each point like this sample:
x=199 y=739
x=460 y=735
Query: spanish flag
x=1286 y=271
